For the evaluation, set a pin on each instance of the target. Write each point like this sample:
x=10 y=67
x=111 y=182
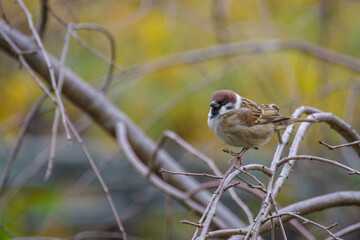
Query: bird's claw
x=235 y=155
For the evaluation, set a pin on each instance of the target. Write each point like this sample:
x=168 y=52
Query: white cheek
x=223 y=110
x=209 y=115
x=238 y=101
x=209 y=118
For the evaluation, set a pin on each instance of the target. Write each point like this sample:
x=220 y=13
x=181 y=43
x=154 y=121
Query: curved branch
x=320 y=159
x=107 y=115
x=340 y=126
x=331 y=200
x=110 y=37
x=244 y=47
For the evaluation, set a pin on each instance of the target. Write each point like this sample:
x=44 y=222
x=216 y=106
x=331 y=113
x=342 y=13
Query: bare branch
x=98 y=107
x=314 y=158
x=340 y=126
x=226 y=233
x=257 y=167
x=52 y=146
x=190 y=174
x=191 y=223
x=319 y=203
x=176 y=138
x=349 y=229
x=340 y=145
x=13 y=48
x=305 y=221
x=110 y=37
x=20 y=138
x=101 y=180
x=48 y=64
x=154 y=179
x=209 y=213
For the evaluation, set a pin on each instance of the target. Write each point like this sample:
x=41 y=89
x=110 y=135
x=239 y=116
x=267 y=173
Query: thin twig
x=190 y=174
x=341 y=145
x=110 y=37
x=191 y=223
x=226 y=233
x=43 y=18
x=209 y=213
x=273 y=202
x=319 y=203
x=177 y=139
x=169 y=215
x=24 y=63
x=305 y=221
x=346 y=230
x=121 y=135
x=252 y=176
x=250 y=185
x=33 y=167
x=101 y=180
x=74 y=190
x=56 y=117
x=152 y=160
x=314 y=158
x=20 y=138
x=52 y=146
x=49 y=66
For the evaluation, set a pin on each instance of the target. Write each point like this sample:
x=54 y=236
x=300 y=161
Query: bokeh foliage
x=146 y=30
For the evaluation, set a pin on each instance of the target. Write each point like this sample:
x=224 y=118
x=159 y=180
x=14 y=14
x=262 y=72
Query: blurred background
x=173 y=97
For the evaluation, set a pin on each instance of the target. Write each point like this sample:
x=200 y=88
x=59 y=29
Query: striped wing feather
x=252 y=113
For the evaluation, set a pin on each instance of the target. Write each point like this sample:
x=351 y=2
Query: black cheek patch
x=229 y=107
x=214 y=112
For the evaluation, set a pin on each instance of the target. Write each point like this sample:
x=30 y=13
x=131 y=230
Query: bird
x=241 y=122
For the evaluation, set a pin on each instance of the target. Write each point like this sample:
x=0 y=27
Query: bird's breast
x=239 y=135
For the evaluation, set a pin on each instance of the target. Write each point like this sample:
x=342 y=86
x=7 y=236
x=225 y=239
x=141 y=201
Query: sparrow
x=241 y=122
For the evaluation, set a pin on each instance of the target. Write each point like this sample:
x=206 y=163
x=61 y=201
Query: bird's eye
x=223 y=102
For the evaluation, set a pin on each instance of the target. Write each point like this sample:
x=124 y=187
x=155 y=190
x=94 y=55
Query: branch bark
x=107 y=115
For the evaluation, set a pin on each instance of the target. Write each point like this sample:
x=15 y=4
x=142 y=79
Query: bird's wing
x=251 y=113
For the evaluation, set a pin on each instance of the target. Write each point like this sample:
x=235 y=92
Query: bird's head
x=224 y=101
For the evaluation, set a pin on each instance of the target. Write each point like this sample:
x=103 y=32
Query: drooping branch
x=107 y=115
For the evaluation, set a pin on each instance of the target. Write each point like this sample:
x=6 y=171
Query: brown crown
x=220 y=95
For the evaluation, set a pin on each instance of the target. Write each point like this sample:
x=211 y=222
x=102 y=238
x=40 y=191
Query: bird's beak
x=214 y=104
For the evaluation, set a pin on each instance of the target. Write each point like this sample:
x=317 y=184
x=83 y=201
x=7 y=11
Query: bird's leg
x=236 y=155
x=239 y=157
x=279 y=136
